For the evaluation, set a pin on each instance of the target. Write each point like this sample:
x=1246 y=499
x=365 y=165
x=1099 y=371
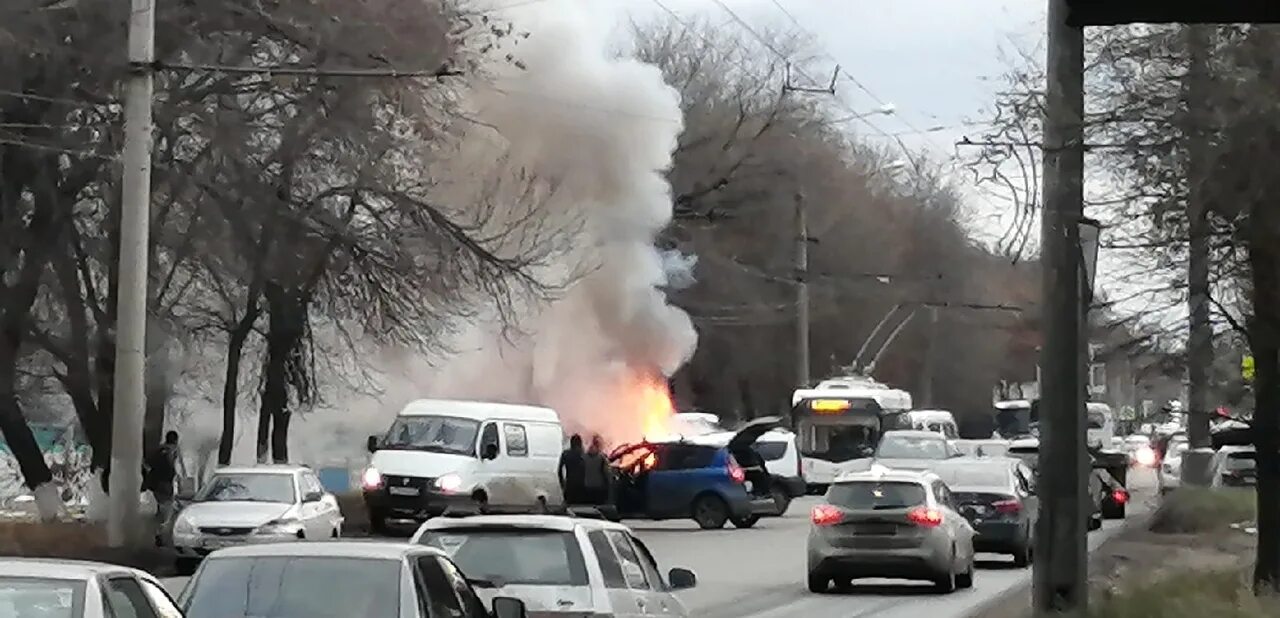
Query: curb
x=1023 y=590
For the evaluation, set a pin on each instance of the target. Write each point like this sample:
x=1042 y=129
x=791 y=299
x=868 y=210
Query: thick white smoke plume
x=601 y=130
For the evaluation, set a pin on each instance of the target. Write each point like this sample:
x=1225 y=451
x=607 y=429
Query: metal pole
x=1200 y=343
x=131 y=326
x=802 y=293
x=930 y=359
x=1059 y=577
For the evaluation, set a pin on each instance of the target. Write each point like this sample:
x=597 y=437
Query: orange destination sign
x=829 y=406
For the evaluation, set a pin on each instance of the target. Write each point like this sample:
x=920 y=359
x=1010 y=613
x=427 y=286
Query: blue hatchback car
x=677 y=479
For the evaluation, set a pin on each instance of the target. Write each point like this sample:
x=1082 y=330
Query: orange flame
x=653 y=403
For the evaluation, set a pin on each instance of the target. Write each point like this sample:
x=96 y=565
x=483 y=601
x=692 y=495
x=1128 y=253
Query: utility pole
x=802 y=293
x=930 y=359
x=1200 y=343
x=131 y=324
x=1059 y=576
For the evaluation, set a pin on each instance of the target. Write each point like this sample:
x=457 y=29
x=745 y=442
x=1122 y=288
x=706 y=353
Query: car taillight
x=825 y=515
x=736 y=472
x=1007 y=506
x=925 y=517
x=1120 y=496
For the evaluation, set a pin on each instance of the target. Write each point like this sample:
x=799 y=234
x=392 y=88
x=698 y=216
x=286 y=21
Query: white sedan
x=49 y=588
x=255 y=505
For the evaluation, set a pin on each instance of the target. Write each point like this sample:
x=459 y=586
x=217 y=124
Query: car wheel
x=335 y=534
x=186 y=567
x=1111 y=510
x=378 y=522
x=745 y=522
x=965 y=580
x=946 y=583
x=710 y=512
x=1022 y=557
x=818 y=584
x=780 y=499
x=1095 y=522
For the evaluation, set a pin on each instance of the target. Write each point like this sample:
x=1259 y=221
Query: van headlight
x=281 y=527
x=449 y=483
x=371 y=479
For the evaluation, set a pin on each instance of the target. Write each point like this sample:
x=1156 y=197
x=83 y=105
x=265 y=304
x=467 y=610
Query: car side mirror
x=489 y=451
x=314 y=496
x=508 y=607
x=372 y=444
x=682 y=579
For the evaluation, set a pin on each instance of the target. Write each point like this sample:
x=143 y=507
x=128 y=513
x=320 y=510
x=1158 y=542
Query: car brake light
x=925 y=517
x=736 y=472
x=1120 y=496
x=825 y=515
x=1007 y=506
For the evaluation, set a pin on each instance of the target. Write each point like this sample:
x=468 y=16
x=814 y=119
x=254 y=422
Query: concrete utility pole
x=131 y=324
x=1059 y=576
x=1195 y=466
x=930 y=360
x=802 y=293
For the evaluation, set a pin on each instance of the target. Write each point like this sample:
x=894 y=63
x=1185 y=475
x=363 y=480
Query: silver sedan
x=892 y=524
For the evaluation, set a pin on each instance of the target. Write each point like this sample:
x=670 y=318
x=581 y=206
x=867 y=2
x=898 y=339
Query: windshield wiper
x=486 y=582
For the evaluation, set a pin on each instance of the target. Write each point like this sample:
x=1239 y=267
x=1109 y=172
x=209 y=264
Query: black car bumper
x=1000 y=537
x=383 y=504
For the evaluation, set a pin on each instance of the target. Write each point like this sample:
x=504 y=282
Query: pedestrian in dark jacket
x=572 y=471
x=597 y=479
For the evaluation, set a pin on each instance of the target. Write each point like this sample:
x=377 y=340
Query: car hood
x=543 y=599
x=234 y=514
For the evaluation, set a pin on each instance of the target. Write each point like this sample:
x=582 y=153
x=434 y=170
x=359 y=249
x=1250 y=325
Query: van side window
x=488 y=435
x=517 y=441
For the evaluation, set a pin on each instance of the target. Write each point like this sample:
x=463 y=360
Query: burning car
x=675 y=479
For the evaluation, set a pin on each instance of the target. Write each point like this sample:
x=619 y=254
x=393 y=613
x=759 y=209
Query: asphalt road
x=760 y=573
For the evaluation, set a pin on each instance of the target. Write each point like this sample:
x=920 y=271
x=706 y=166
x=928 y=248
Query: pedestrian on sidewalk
x=160 y=479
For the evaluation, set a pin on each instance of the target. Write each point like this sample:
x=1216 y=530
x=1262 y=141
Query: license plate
x=875 y=529
x=402 y=491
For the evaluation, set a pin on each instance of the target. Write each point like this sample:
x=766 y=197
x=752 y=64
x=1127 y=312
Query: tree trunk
x=1265 y=340
x=280 y=436
x=231 y=388
x=17 y=434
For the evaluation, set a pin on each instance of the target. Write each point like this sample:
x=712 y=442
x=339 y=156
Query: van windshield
x=436 y=434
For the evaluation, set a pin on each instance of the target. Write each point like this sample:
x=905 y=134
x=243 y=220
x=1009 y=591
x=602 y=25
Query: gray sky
x=937 y=61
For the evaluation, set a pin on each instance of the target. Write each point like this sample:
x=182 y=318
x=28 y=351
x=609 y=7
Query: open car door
x=741 y=446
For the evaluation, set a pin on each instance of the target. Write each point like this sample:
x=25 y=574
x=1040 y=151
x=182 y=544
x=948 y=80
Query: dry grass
x=77 y=541
x=1223 y=593
x=1193 y=510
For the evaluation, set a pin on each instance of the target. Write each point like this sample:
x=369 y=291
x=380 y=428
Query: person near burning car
x=597 y=479
x=572 y=471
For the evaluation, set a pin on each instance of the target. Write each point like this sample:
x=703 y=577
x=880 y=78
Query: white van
x=440 y=453
x=937 y=421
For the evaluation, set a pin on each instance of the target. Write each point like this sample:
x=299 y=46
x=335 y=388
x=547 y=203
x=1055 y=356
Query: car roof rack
x=582 y=512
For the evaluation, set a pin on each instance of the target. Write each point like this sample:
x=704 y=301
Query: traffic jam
x=490 y=509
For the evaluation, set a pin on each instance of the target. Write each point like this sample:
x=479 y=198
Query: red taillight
x=1120 y=496
x=1007 y=506
x=736 y=472
x=925 y=517
x=825 y=515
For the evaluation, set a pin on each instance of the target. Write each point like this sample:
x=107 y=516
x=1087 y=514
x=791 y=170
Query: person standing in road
x=161 y=477
x=596 y=473
x=572 y=470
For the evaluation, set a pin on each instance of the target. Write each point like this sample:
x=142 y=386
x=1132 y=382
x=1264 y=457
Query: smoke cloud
x=599 y=132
